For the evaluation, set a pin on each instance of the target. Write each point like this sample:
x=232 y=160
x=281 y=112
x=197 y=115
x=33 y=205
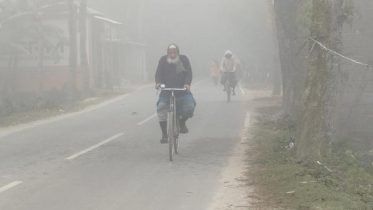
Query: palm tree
x=14 y=29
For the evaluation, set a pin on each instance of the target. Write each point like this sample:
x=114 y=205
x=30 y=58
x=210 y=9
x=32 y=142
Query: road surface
x=110 y=158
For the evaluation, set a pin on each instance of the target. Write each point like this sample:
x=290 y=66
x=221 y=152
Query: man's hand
x=187 y=87
x=158 y=86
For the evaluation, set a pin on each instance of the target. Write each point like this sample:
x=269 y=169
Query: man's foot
x=234 y=93
x=163 y=125
x=164 y=140
x=183 y=128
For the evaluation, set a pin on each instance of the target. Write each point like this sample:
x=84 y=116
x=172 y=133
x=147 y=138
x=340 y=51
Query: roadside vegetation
x=53 y=110
x=341 y=181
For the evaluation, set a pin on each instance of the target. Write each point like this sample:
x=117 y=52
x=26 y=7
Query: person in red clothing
x=215 y=71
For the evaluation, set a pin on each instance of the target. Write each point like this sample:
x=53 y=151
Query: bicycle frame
x=228 y=85
x=173 y=123
x=173 y=98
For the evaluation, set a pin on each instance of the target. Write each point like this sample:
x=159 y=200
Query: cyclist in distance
x=174 y=71
x=228 y=68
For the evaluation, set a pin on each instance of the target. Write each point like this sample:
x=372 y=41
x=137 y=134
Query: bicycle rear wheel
x=171 y=134
x=177 y=132
x=228 y=89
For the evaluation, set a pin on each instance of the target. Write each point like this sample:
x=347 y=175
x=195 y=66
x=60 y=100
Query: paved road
x=104 y=160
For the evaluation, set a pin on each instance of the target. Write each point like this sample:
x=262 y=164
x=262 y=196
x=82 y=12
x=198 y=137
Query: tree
x=51 y=38
x=316 y=123
x=18 y=27
x=277 y=67
x=140 y=28
x=334 y=89
x=72 y=9
x=286 y=14
x=83 y=46
x=15 y=27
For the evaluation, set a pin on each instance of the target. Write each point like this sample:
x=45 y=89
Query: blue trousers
x=185 y=106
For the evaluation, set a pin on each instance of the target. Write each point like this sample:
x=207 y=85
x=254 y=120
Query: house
x=111 y=59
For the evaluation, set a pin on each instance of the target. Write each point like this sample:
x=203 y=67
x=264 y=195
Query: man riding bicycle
x=174 y=71
x=228 y=68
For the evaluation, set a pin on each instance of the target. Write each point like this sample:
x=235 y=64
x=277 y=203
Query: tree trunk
x=334 y=82
x=312 y=127
x=285 y=18
x=140 y=28
x=13 y=80
x=276 y=58
x=83 y=48
x=7 y=78
x=73 y=50
x=40 y=72
x=276 y=76
x=129 y=16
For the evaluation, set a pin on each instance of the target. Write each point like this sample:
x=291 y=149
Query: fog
x=93 y=115
x=203 y=29
x=82 y=125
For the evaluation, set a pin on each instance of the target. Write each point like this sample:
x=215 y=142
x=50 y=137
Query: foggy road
x=110 y=158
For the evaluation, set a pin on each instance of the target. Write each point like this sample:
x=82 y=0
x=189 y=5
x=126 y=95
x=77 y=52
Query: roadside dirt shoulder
x=236 y=192
x=49 y=116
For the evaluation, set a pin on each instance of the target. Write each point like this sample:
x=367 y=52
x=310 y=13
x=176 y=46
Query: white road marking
x=199 y=82
x=155 y=115
x=94 y=147
x=142 y=88
x=247 y=120
x=245 y=134
x=242 y=91
x=147 y=119
x=9 y=186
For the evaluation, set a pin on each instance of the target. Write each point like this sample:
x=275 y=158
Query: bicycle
x=227 y=85
x=173 y=127
x=228 y=90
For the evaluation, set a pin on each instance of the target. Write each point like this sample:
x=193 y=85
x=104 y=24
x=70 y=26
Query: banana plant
x=27 y=25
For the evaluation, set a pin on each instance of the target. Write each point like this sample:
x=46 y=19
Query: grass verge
x=29 y=116
x=344 y=181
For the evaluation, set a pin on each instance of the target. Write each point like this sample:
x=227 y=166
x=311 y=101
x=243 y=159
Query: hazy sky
x=203 y=29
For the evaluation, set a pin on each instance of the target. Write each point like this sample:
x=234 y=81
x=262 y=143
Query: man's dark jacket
x=166 y=74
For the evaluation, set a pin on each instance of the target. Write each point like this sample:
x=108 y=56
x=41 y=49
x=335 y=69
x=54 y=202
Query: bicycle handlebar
x=163 y=87
x=172 y=88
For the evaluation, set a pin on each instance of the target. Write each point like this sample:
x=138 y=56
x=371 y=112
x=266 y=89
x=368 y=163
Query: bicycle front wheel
x=171 y=134
x=228 y=89
x=177 y=132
